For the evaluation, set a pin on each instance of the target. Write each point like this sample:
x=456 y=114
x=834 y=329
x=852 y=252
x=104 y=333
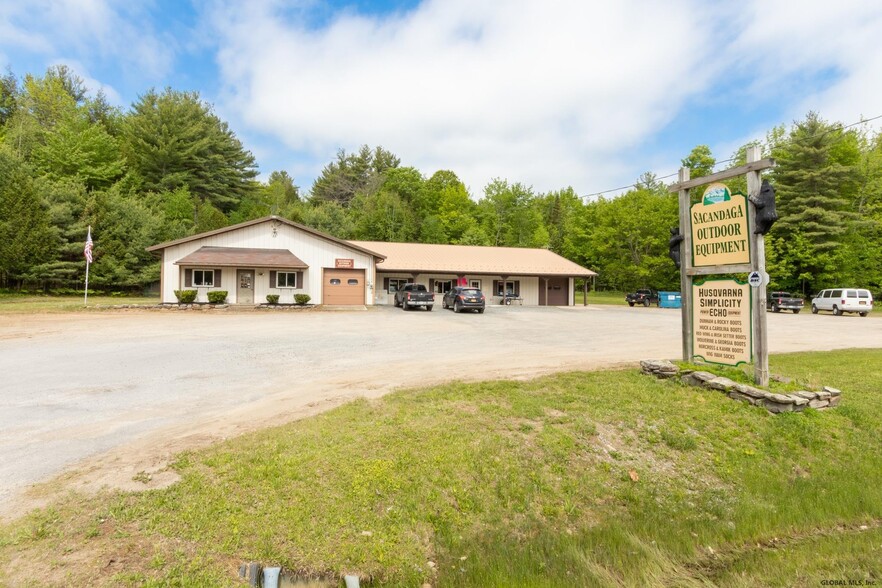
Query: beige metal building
x=273 y=255
x=529 y=276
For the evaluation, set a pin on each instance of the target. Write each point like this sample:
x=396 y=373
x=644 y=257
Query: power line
x=716 y=163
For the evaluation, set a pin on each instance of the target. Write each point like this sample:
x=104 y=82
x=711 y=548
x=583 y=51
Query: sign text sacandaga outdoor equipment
x=719 y=228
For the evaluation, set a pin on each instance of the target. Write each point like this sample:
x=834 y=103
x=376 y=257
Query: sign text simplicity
x=721 y=321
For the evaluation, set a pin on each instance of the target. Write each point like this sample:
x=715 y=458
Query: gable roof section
x=310 y=230
x=241 y=256
x=503 y=261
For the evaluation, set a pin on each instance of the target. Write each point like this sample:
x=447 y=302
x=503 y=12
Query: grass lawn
x=24 y=304
x=578 y=479
x=618 y=298
x=607 y=297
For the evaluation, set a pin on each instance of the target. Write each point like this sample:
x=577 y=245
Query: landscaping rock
x=751 y=391
x=659 y=367
x=688 y=380
x=703 y=376
x=773 y=402
x=743 y=397
x=777 y=407
x=724 y=384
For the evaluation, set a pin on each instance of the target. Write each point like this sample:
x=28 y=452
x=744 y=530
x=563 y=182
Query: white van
x=841 y=300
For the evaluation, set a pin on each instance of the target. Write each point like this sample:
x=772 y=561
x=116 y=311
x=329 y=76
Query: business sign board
x=344 y=263
x=721 y=326
x=719 y=228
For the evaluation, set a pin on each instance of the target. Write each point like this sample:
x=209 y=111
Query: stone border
x=775 y=403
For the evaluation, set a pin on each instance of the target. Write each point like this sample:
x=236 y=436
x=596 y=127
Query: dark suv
x=462 y=298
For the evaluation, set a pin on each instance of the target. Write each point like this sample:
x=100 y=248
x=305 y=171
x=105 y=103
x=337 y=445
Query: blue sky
x=547 y=93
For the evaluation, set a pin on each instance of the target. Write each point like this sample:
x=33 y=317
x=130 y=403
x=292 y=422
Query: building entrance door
x=558 y=293
x=245 y=290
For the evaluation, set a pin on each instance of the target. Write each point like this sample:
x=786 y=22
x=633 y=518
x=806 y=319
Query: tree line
x=169 y=167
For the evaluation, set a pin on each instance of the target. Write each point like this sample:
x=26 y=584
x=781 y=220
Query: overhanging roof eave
x=487 y=272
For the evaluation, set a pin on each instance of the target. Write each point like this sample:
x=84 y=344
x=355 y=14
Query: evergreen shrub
x=186 y=296
x=217 y=296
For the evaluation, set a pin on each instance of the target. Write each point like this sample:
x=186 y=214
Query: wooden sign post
x=718 y=238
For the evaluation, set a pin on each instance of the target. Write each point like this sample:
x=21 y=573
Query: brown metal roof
x=503 y=261
x=256 y=221
x=242 y=257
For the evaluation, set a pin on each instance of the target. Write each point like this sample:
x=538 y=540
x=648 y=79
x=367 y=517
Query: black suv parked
x=462 y=298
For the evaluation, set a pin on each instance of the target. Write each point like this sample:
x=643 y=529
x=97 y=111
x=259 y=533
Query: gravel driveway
x=109 y=395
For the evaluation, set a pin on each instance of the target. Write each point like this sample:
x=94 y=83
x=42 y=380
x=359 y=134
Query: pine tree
x=814 y=178
x=173 y=140
x=25 y=234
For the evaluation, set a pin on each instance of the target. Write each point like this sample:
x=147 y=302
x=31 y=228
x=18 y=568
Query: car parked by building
x=842 y=300
x=778 y=301
x=462 y=298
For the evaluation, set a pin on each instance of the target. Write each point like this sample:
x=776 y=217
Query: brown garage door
x=558 y=293
x=343 y=286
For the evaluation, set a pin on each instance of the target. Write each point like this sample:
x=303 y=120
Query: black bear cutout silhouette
x=766 y=215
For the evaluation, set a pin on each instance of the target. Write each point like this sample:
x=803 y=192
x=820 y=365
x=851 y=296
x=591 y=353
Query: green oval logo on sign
x=716 y=193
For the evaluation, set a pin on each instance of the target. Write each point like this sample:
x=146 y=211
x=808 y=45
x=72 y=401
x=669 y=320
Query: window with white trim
x=509 y=288
x=203 y=277
x=475 y=284
x=286 y=279
x=442 y=286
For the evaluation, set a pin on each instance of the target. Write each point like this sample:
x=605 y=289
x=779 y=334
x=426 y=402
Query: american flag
x=87 y=250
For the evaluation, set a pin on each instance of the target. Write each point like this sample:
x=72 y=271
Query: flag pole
x=86 y=299
x=88 y=254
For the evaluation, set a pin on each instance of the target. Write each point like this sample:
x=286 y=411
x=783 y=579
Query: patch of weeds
x=142 y=477
x=93 y=531
x=678 y=441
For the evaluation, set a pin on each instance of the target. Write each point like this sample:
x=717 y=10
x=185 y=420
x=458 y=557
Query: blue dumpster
x=669 y=299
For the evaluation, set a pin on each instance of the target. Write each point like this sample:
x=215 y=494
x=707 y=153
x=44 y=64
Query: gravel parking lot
x=105 y=396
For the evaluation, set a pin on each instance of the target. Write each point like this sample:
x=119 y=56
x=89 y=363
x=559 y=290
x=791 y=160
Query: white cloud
x=795 y=43
x=93 y=30
x=545 y=93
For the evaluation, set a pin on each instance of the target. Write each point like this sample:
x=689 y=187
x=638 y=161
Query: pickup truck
x=784 y=300
x=414 y=296
x=644 y=297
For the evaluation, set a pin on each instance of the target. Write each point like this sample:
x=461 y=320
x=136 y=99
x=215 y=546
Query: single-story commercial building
x=532 y=276
x=273 y=255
